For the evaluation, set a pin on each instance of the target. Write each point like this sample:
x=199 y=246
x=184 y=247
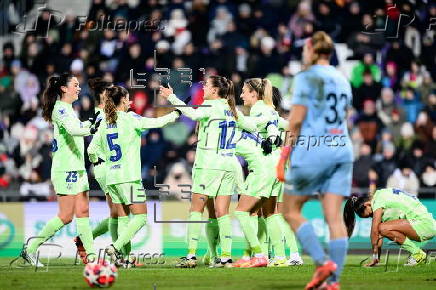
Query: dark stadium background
x=386 y=49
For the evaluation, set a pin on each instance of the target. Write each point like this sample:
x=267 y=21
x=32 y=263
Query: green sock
x=225 y=228
x=262 y=236
x=85 y=233
x=410 y=246
x=249 y=233
x=289 y=235
x=275 y=234
x=113 y=228
x=254 y=221
x=212 y=234
x=123 y=223
x=101 y=228
x=50 y=228
x=194 y=232
x=135 y=224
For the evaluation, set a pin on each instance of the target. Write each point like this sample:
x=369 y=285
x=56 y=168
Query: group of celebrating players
x=282 y=175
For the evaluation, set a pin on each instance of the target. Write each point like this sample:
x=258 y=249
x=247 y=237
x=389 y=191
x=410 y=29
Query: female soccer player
x=396 y=215
x=68 y=172
x=213 y=173
x=322 y=157
x=119 y=141
x=99 y=86
x=261 y=182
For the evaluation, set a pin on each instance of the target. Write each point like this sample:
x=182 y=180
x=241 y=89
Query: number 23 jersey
x=324 y=138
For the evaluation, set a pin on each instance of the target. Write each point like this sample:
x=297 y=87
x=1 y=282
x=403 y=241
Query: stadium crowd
x=392 y=122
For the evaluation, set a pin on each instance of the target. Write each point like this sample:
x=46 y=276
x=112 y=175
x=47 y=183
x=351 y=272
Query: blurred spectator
x=364 y=66
x=404 y=178
x=369 y=90
x=362 y=166
x=386 y=166
x=369 y=123
x=299 y=19
x=390 y=78
x=428 y=178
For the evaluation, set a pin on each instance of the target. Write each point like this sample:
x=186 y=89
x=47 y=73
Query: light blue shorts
x=332 y=178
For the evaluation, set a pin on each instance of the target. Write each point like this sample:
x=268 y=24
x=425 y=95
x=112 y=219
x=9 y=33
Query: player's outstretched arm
x=148 y=123
x=198 y=114
x=375 y=236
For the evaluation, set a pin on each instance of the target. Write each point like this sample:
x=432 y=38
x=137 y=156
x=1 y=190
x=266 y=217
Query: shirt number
x=334 y=116
x=71 y=176
x=114 y=147
x=224 y=142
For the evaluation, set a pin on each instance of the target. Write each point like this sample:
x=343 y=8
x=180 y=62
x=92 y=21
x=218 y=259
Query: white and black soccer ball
x=101 y=274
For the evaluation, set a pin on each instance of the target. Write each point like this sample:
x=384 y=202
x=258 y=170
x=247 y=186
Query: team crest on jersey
x=62 y=112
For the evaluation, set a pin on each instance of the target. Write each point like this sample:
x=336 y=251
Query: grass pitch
x=62 y=274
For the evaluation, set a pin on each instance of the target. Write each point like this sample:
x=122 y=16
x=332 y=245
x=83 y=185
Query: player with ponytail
x=214 y=172
x=396 y=215
x=321 y=96
x=118 y=141
x=68 y=174
x=98 y=87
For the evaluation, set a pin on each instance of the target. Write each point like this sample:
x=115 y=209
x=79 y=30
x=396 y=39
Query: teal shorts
x=213 y=182
x=127 y=193
x=424 y=227
x=70 y=182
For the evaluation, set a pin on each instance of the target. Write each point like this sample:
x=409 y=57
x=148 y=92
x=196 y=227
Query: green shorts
x=127 y=193
x=256 y=186
x=213 y=182
x=100 y=176
x=70 y=182
x=239 y=183
x=424 y=227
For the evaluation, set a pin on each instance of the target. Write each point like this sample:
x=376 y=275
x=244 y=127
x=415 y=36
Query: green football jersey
x=100 y=170
x=120 y=144
x=216 y=135
x=248 y=147
x=406 y=203
x=68 y=145
x=269 y=126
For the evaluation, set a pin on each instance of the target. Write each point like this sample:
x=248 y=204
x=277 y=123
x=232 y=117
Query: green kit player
x=98 y=87
x=258 y=95
x=396 y=215
x=214 y=172
x=68 y=173
x=119 y=141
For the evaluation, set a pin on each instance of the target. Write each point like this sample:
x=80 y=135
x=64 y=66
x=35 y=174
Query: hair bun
x=53 y=81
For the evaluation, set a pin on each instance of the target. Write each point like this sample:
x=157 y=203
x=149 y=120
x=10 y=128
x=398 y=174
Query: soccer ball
x=101 y=274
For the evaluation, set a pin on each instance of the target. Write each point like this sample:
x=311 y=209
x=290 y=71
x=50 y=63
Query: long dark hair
x=113 y=99
x=226 y=90
x=98 y=86
x=354 y=205
x=52 y=93
x=276 y=97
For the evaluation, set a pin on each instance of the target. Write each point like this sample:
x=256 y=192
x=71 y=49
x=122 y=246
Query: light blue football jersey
x=324 y=138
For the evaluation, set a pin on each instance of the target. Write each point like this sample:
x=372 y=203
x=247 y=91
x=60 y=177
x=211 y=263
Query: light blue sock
x=338 y=251
x=308 y=239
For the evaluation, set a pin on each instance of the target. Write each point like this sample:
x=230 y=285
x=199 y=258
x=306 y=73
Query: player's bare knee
x=221 y=212
x=66 y=219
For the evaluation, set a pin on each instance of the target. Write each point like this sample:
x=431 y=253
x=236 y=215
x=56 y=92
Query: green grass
x=61 y=274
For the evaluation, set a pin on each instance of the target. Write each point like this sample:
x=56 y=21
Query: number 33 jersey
x=120 y=145
x=324 y=138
